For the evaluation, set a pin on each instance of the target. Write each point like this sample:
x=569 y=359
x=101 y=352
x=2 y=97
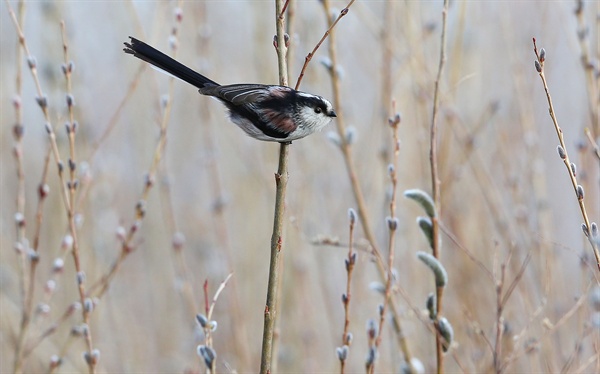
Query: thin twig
x=589 y=68
x=593 y=143
x=71 y=127
x=562 y=151
x=114 y=119
x=435 y=183
x=392 y=223
x=350 y=262
x=210 y=325
x=27 y=279
x=327 y=33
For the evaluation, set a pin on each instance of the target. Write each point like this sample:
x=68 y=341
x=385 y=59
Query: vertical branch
x=435 y=183
x=281 y=178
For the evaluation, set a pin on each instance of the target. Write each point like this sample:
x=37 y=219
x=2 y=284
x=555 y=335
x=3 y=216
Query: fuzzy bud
x=378 y=287
x=121 y=233
x=538 y=67
x=447 y=332
x=201 y=320
x=392 y=223
x=42 y=101
x=415 y=367
x=31 y=62
x=140 y=208
x=50 y=286
x=391 y=170
x=542 y=55
x=585 y=230
x=426 y=227
x=178 y=241
x=212 y=325
x=92 y=358
x=33 y=256
x=561 y=152
x=173 y=42
x=80 y=277
x=58 y=265
x=55 y=361
x=208 y=354
x=350 y=261
x=595 y=233
x=342 y=352
x=43 y=190
x=88 y=305
x=178 y=12
x=18 y=131
x=431 y=306
x=334 y=138
x=580 y=193
x=350 y=135
x=441 y=276
x=423 y=199
x=344 y=299
x=371 y=328
x=371 y=356
x=20 y=219
x=326 y=61
x=42 y=308
x=352 y=216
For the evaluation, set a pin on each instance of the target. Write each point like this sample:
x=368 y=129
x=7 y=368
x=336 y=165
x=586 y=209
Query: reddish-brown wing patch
x=279 y=120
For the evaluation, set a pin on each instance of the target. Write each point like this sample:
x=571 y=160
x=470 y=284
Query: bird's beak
x=332 y=114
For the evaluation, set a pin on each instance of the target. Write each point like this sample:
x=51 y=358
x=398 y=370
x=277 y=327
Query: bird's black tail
x=153 y=56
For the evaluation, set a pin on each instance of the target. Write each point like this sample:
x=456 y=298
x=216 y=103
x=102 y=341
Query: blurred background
x=506 y=198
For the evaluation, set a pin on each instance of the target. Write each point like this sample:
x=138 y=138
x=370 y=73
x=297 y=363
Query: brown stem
x=281 y=178
x=435 y=184
x=564 y=154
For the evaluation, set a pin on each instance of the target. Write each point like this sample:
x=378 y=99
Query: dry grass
x=523 y=291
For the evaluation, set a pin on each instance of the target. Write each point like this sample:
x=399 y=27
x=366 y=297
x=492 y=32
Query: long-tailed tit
x=265 y=112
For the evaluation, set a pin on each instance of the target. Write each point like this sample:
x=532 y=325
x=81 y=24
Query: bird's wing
x=245 y=94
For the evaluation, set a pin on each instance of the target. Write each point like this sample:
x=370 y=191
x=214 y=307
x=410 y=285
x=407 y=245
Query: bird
x=265 y=112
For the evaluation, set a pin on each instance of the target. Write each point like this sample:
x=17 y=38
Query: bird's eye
x=318 y=110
